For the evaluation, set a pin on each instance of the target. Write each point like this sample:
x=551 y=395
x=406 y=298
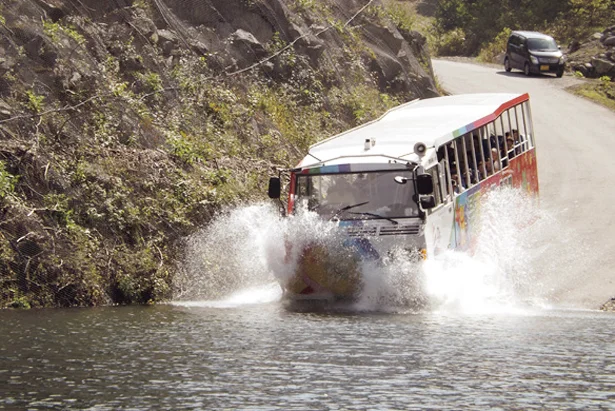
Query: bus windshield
x=370 y=195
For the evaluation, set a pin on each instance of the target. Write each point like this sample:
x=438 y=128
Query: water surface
x=271 y=357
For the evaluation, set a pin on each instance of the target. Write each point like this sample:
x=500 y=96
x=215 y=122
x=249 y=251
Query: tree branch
x=56 y=110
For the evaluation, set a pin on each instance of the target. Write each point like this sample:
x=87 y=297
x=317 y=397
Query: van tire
x=560 y=73
x=507 y=65
x=526 y=69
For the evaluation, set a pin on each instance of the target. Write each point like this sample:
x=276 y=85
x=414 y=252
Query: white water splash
x=395 y=283
x=244 y=251
x=264 y=294
x=498 y=275
x=230 y=254
x=246 y=247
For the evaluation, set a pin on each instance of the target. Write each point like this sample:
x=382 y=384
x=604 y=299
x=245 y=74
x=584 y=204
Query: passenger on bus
x=496 y=142
x=494 y=156
x=477 y=150
x=458 y=182
x=475 y=175
x=486 y=147
x=510 y=146
x=489 y=167
x=484 y=167
x=455 y=183
x=519 y=141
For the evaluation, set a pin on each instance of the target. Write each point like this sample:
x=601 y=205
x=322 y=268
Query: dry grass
x=594 y=90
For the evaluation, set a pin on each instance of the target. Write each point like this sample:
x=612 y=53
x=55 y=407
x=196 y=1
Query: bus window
x=435 y=176
x=514 y=124
x=473 y=155
x=447 y=162
x=511 y=120
x=505 y=127
x=455 y=169
x=494 y=146
x=483 y=142
x=505 y=122
x=519 y=137
x=466 y=161
x=442 y=171
x=511 y=142
x=461 y=164
x=444 y=180
x=499 y=133
x=525 y=129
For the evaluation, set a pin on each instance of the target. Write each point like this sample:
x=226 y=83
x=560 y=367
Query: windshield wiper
x=378 y=216
x=348 y=207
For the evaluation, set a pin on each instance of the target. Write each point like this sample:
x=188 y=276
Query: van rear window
x=542 y=44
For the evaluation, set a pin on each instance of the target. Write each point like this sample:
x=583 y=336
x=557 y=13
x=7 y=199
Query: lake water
x=268 y=356
x=488 y=337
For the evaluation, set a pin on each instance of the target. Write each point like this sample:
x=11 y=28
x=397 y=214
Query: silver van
x=534 y=52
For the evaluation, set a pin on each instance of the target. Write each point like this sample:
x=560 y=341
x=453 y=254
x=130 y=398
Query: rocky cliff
x=594 y=57
x=125 y=125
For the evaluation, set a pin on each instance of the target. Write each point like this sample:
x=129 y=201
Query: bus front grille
x=383 y=231
x=400 y=230
x=362 y=232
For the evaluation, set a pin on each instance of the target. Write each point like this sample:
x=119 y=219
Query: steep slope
x=124 y=125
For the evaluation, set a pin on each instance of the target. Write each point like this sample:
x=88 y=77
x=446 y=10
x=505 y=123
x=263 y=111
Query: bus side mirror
x=424 y=184
x=275 y=187
x=400 y=180
x=428 y=202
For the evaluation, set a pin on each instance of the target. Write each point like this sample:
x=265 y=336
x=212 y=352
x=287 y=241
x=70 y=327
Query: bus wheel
x=507 y=65
x=526 y=69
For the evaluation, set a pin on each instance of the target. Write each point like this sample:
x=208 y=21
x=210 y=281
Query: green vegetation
x=122 y=149
x=481 y=27
x=35 y=102
x=492 y=50
x=7 y=182
x=480 y=22
x=600 y=90
x=55 y=30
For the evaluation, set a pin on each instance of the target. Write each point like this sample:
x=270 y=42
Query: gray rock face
x=586 y=69
x=244 y=47
x=167 y=41
x=599 y=64
x=602 y=66
x=241 y=34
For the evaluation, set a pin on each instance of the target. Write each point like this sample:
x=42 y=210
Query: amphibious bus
x=407 y=184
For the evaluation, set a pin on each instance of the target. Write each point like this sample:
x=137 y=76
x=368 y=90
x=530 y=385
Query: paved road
x=576 y=165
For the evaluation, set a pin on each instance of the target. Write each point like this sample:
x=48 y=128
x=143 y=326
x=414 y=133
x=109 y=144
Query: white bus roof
x=432 y=122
